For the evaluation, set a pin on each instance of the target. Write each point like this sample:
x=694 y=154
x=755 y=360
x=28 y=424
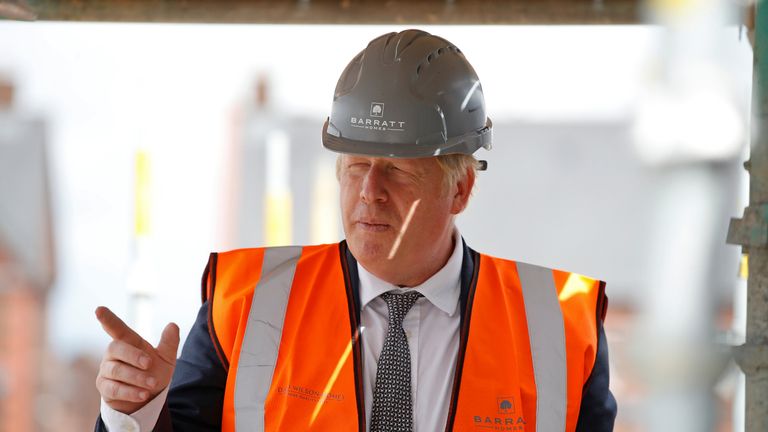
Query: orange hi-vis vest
x=285 y=323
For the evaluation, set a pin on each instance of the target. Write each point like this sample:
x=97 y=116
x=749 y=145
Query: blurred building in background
x=280 y=182
x=39 y=392
x=26 y=263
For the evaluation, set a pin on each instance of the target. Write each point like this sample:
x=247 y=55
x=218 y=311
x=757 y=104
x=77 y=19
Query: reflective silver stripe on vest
x=547 y=335
x=258 y=353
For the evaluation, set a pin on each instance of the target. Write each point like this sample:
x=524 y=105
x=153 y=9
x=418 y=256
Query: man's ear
x=463 y=191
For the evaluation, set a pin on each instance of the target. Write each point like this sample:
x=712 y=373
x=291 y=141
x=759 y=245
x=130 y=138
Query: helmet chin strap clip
x=483 y=165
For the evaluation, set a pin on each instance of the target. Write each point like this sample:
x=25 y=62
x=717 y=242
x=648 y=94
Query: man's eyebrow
x=414 y=169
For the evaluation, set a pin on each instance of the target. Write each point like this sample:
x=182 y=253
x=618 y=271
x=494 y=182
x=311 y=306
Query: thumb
x=169 y=343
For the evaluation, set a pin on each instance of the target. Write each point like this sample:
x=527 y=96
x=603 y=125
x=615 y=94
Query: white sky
x=107 y=89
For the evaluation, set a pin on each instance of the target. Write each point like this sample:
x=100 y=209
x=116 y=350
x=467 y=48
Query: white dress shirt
x=432 y=329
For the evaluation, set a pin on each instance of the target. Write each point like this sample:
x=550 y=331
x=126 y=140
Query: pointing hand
x=132 y=371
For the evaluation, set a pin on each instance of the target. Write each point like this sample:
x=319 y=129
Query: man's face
x=398 y=215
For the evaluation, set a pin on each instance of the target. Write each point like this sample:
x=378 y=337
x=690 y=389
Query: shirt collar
x=441 y=289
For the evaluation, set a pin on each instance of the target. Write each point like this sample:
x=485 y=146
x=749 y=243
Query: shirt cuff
x=143 y=420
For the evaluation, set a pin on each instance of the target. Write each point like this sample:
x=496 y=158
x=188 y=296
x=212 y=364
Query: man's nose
x=373 y=188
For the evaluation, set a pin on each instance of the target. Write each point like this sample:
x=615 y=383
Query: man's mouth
x=373 y=226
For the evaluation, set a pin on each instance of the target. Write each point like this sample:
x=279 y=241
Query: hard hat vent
x=433 y=56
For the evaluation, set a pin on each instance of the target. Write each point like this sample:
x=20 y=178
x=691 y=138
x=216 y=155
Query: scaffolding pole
x=751 y=232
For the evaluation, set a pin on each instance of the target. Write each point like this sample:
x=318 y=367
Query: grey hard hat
x=409 y=94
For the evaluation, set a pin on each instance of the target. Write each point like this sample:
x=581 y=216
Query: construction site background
x=129 y=151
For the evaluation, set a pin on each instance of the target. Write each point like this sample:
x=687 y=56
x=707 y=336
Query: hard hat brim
x=464 y=144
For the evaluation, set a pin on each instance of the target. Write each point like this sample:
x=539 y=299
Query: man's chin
x=367 y=250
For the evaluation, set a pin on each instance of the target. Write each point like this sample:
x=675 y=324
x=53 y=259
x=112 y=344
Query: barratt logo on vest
x=375 y=120
x=308 y=394
x=504 y=419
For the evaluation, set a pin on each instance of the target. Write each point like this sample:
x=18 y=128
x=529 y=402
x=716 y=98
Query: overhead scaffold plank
x=330 y=12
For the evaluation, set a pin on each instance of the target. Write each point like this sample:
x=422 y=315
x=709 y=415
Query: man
x=401 y=327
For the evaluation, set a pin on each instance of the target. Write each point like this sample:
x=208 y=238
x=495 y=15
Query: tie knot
x=399 y=304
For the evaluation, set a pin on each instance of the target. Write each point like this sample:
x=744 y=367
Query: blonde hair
x=455 y=166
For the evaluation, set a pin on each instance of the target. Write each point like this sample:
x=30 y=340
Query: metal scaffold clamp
x=752 y=359
x=752 y=230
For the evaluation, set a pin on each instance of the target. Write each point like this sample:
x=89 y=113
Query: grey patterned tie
x=392 y=410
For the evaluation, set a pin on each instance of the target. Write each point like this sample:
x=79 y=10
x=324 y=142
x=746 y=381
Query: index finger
x=116 y=328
